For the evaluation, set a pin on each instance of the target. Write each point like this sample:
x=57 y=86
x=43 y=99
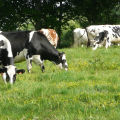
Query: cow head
x=61 y=62
x=100 y=39
x=95 y=45
x=9 y=73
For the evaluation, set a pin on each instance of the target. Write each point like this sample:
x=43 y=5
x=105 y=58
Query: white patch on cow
x=6 y=46
x=4 y=77
x=11 y=72
x=21 y=56
x=95 y=46
x=31 y=35
x=64 y=58
x=38 y=61
x=60 y=66
x=29 y=65
x=45 y=32
x=0 y=31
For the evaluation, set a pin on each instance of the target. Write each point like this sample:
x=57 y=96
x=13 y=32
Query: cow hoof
x=29 y=71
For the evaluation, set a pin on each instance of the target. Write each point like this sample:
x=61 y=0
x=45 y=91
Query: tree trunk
x=60 y=20
x=38 y=17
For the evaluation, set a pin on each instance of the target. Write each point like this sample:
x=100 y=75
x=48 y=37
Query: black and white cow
x=93 y=30
x=7 y=70
x=107 y=37
x=34 y=46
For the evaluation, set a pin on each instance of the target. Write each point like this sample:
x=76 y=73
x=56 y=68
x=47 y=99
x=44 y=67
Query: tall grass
x=89 y=90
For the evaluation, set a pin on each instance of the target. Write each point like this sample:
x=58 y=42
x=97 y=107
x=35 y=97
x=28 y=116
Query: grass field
x=89 y=90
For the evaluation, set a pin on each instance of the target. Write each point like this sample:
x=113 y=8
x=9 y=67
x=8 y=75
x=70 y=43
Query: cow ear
x=21 y=71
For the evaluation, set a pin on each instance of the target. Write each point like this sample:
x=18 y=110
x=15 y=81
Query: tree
x=55 y=13
x=97 y=11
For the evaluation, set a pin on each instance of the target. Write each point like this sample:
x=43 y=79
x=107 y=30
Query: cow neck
x=10 y=61
x=50 y=54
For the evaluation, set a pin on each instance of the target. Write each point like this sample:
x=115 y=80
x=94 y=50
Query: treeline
x=56 y=13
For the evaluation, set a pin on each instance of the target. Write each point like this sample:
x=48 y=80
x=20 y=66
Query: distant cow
x=34 y=46
x=7 y=70
x=107 y=37
x=80 y=37
x=51 y=35
x=93 y=30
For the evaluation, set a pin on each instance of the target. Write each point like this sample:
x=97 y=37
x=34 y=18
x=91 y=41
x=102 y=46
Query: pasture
x=89 y=90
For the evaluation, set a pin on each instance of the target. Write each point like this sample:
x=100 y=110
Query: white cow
x=108 y=36
x=80 y=37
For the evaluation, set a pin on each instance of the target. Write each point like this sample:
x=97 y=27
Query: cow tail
x=88 y=43
x=83 y=34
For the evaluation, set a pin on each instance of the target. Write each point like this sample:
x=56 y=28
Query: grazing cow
x=7 y=70
x=108 y=37
x=80 y=37
x=51 y=35
x=34 y=46
x=93 y=30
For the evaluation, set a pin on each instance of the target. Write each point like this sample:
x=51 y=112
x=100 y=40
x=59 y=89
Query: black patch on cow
x=116 y=31
x=10 y=61
x=5 y=59
x=92 y=30
x=43 y=68
x=108 y=39
x=1 y=43
x=3 y=56
x=101 y=36
x=27 y=56
x=30 y=61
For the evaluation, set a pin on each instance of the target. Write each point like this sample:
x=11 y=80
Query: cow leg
x=37 y=60
x=29 y=59
x=107 y=44
x=42 y=66
x=88 y=43
x=29 y=63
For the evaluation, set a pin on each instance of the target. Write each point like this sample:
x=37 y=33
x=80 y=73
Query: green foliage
x=67 y=33
x=26 y=26
x=89 y=90
x=97 y=11
x=47 y=14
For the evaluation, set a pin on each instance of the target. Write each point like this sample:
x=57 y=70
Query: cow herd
x=37 y=46
x=97 y=36
x=32 y=46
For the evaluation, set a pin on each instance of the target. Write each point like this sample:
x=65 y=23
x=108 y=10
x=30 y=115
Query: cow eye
x=63 y=61
x=14 y=78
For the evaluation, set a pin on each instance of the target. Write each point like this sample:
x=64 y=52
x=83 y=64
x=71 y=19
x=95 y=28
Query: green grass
x=89 y=90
